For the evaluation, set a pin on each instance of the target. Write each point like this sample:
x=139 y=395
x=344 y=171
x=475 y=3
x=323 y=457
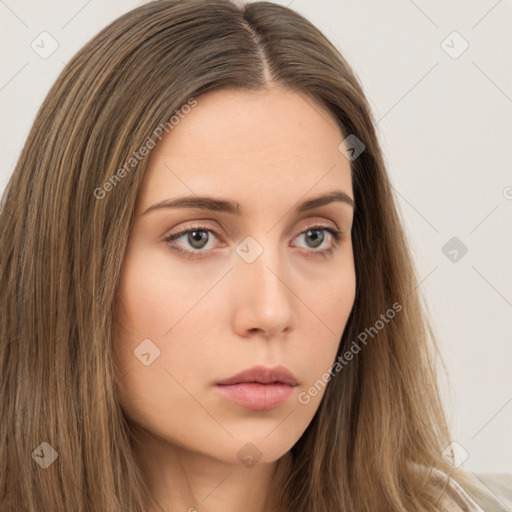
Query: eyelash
x=337 y=238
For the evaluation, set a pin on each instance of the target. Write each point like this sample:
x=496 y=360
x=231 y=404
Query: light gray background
x=446 y=130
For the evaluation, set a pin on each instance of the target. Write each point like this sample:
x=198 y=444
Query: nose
x=264 y=297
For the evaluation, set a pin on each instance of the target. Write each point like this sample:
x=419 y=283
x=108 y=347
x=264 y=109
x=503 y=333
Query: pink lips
x=259 y=388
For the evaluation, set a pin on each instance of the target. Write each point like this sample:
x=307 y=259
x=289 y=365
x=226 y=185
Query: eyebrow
x=235 y=208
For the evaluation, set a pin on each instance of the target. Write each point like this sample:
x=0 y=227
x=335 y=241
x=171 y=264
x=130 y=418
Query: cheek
x=323 y=327
x=153 y=293
x=153 y=369
x=156 y=313
x=154 y=398
x=329 y=300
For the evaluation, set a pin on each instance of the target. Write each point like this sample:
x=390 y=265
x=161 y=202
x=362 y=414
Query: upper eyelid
x=207 y=225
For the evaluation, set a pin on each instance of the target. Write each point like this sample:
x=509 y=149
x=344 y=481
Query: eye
x=315 y=236
x=198 y=238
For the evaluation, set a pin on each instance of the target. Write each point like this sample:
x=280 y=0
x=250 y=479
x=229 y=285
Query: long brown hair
x=65 y=219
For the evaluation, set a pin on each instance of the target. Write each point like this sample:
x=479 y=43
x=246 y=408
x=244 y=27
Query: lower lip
x=255 y=396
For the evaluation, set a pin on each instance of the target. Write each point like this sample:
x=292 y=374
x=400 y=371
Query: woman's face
x=267 y=286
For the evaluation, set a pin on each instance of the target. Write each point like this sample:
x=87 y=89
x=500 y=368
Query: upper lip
x=263 y=375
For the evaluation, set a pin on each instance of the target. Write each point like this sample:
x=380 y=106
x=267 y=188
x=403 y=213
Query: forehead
x=249 y=145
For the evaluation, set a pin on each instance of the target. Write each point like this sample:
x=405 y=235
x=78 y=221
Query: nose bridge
x=261 y=275
x=261 y=263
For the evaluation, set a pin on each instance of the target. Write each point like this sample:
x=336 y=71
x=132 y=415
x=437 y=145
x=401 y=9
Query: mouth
x=259 y=388
x=255 y=395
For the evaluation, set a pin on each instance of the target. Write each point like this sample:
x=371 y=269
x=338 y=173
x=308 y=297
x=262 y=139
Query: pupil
x=319 y=238
x=195 y=238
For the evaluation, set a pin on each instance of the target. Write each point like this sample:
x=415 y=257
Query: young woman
x=208 y=302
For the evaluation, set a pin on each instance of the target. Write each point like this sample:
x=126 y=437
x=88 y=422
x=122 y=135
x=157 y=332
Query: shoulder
x=494 y=493
x=496 y=489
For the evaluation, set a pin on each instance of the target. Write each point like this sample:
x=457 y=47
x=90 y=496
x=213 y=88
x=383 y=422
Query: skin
x=212 y=317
